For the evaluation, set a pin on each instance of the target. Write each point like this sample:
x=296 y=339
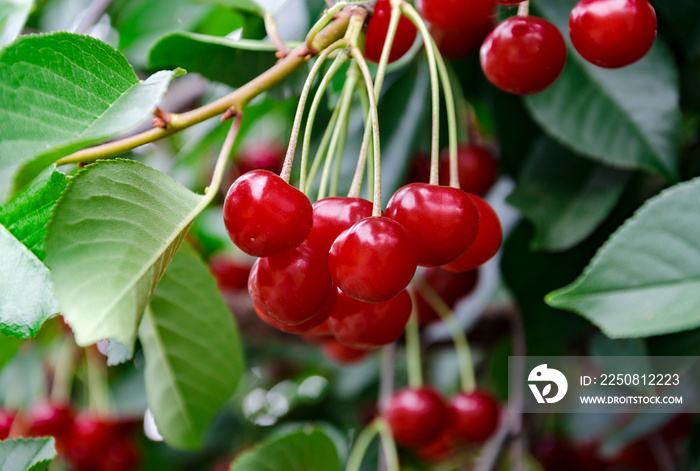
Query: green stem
x=322 y=147
x=413 y=360
x=357 y=177
x=224 y=154
x=463 y=107
x=359 y=449
x=388 y=446
x=464 y=357
x=98 y=391
x=323 y=21
x=451 y=114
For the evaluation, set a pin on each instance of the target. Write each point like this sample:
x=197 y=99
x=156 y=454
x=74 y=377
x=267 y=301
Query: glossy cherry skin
x=488 y=239
x=331 y=217
x=342 y=354
x=6 y=420
x=477 y=167
x=231 y=273
x=450 y=286
x=50 y=419
x=457 y=15
x=266 y=216
x=474 y=416
x=306 y=327
x=523 y=55
x=366 y=326
x=442 y=221
x=377 y=29
x=417 y=417
x=612 y=33
x=374 y=260
x=290 y=288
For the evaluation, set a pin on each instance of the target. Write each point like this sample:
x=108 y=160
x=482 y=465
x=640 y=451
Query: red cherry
x=49 y=419
x=523 y=55
x=612 y=33
x=509 y=2
x=306 y=327
x=266 y=216
x=437 y=450
x=450 y=286
x=292 y=287
x=230 y=273
x=474 y=416
x=488 y=239
x=331 y=217
x=365 y=325
x=120 y=455
x=342 y=354
x=442 y=221
x=377 y=29
x=374 y=260
x=417 y=417
x=477 y=167
x=6 y=419
x=263 y=155
x=456 y=15
x=456 y=44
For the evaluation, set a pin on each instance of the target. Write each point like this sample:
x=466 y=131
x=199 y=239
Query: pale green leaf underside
x=303 y=450
x=193 y=354
x=62 y=92
x=26 y=294
x=13 y=15
x=116 y=228
x=628 y=117
x=26 y=455
x=645 y=280
x=565 y=196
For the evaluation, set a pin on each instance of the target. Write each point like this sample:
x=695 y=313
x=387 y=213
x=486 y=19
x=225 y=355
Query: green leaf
x=193 y=355
x=246 y=5
x=116 y=228
x=645 y=280
x=304 y=450
x=13 y=15
x=27 y=215
x=230 y=61
x=27 y=454
x=564 y=196
x=626 y=117
x=63 y=92
x=27 y=296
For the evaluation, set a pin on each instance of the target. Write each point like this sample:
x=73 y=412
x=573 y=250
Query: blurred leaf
x=13 y=15
x=193 y=355
x=246 y=5
x=304 y=450
x=23 y=380
x=644 y=280
x=63 y=92
x=8 y=348
x=626 y=117
x=564 y=196
x=27 y=215
x=27 y=295
x=116 y=228
x=27 y=454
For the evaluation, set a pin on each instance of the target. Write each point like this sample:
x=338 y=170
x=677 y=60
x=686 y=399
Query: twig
x=271 y=28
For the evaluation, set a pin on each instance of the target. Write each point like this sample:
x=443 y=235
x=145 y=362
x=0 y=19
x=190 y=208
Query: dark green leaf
x=564 y=196
x=625 y=117
x=62 y=92
x=644 y=280
x=193 y=355
x=304 y=450
x=8 y=348
x=27 y=215
x=13 y=15
x=26 y=454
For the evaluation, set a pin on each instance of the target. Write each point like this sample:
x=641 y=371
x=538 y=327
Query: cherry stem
x=524 y=8
x=98 y=391
x=430 y=49
x=322 y=147
x=289 y=158
x=364 y=439
x=464 y=356
x=306 y=144
x=224 y=154
x=356 y=184
x=451 y=114
x=413 y=357
x=324 y=20
x=271 y=29
x=388 y=446
x=64 y=371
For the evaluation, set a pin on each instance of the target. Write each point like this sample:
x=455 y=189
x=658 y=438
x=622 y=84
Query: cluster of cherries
x=524 y=54
x=86 y=441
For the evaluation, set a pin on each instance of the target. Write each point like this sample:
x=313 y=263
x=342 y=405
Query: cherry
x=475 y=416
x=488 y=239
x=342 y=354
x=442 y=221
x=612 y=33
x=417 y=416
x=477 y=167
x=374 y=260
x=120 y=455
x=50 y=419
x=419 y=172
x=290 y=288
x=456 y=44
x=509 y=2
x=307 y=327
x=6 y=420
x=523 y=55
x=457 y=15
x=377 y=29
x=331 y=217
x=436 y=451
x=366 y=326
x=450 y=286
x=555 y=454
x=230 y=273
x=264 y=155
x=266 y=216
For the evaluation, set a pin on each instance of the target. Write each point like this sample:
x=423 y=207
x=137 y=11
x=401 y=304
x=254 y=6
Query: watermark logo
x=542 y=374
